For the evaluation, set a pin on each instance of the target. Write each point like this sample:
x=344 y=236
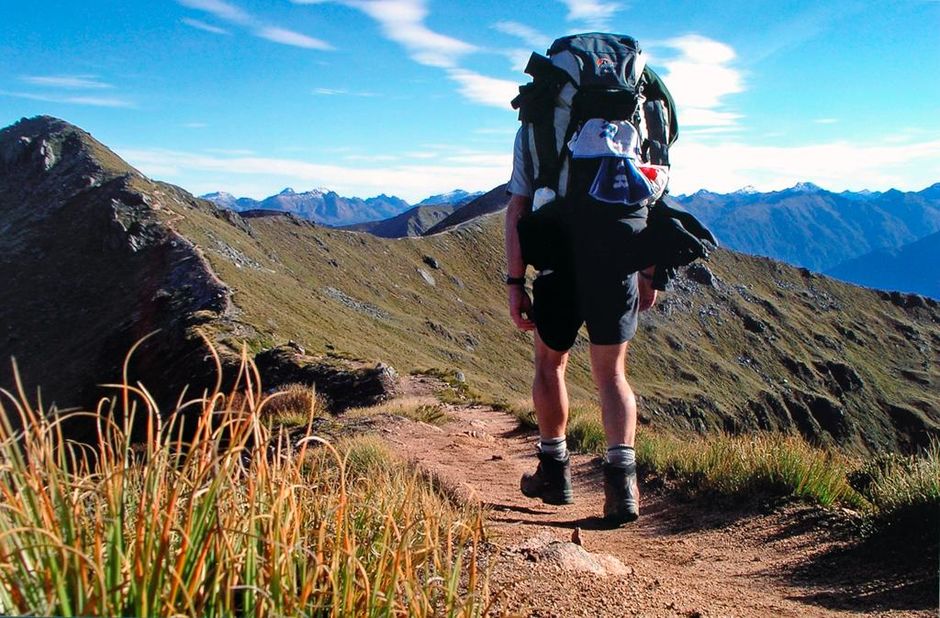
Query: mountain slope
x=89 y=266
x=757 y=345
x=911 y=268
x=493 y=200
x=413 y=222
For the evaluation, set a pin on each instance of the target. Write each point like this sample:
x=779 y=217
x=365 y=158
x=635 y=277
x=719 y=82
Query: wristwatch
x=515 y=280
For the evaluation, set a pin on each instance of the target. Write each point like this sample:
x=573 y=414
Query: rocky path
x=679 y=559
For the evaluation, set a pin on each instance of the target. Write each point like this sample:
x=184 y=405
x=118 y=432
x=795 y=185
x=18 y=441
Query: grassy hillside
x=764 y=345
x=749 y=344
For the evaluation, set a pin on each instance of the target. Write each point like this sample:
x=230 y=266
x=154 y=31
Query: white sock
x=621 y=456
x=556 y=448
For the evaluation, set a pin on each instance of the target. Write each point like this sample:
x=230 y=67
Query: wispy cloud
x=194 y=125
x=730 y=165
x=403 y=22
x=332 y=92
x=71 y=100
x=68 y=82
x=529 y=35
x=700 y=76
x=592 y=13
x=289 y=37
x=825 y=120
x=235 y=15
x=222 y=10
x=201 y=25
x=261 y=176
x=482 y=89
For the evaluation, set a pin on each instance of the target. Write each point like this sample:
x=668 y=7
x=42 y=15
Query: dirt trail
x=679 y=559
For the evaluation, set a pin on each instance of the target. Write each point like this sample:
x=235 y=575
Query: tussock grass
x=904 y=490
x=422 y=409
x=746 y=465
x=293 y=405
x=723 y=464
x=220 y=518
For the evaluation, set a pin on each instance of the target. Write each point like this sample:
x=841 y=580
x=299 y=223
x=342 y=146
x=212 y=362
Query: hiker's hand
x=645 y=284
x=520 y=307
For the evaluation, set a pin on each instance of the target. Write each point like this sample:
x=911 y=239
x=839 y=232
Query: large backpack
x=590 y=76
x=588 y=81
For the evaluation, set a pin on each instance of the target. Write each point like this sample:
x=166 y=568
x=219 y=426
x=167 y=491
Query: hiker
x=589 y=161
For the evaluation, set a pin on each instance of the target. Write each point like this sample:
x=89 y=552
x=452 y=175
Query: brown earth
x=682 y=558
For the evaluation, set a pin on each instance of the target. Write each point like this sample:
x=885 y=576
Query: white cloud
x=699 y=78
x=592 y=13
x=403 y=22
x=332 y=92
x=68 y=82
x=728 y=166
x=483 y=89
x=530 y=36
x=701 y=117
x=222 y=10
x=259 y=176
x=201 y=25
x=235 y=15
x=71 y=100
x=289 y=37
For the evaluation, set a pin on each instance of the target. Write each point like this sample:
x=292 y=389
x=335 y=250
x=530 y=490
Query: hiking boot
x=621 y=495
x=551 y=481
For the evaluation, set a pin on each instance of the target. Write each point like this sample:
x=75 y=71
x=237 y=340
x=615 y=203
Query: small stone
x=432 y=262
x=700 y=273
x=427 y=277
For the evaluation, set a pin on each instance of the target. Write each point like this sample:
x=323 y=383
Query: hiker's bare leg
x=549 y=393
x=618 y=405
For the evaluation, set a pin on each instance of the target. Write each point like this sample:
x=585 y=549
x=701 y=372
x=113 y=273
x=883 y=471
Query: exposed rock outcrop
x=89 y=265
x=344 y=383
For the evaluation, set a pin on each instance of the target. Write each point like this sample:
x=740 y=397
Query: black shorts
x=593 y=288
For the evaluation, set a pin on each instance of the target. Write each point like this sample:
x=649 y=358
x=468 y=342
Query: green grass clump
x=746 y=465
x=904 y=491
x=422 y=409
x=293 y=405
x=585 y=430
x=455 y=390
x=219 y=519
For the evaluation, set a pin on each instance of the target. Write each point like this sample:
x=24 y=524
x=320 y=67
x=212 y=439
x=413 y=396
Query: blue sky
x=410 y=97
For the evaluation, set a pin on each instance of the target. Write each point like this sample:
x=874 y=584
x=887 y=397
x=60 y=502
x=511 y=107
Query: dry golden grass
x=221 y=519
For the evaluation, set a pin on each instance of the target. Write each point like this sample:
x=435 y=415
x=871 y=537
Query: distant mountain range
x=808 y=226
x=329 y=208
x=851 y=235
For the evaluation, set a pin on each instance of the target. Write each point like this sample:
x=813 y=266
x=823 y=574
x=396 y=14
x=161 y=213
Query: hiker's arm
x=645 y=288
x=520 y=305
